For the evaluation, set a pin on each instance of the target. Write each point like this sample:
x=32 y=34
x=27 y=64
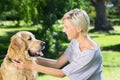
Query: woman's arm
x=48 y=70
x=52 y=63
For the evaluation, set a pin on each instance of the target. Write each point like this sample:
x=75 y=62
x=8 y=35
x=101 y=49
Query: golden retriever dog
x=24 y=46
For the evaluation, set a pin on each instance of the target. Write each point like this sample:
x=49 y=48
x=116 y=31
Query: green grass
x=109 y=43
x=111 y=65
x=111 y=59
x=111 y=73
x=47 y=77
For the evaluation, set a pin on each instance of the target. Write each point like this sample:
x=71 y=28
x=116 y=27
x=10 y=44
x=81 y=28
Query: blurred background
x=43 y=19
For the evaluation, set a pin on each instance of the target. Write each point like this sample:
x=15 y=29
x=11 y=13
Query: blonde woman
x=83 y=54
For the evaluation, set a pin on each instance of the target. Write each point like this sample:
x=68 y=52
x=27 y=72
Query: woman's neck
x=82 y=39
x=85 y=43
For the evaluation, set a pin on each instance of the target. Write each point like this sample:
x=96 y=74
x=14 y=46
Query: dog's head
x=25 y=43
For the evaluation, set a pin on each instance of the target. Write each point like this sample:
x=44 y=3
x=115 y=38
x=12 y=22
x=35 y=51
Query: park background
x=43 y=19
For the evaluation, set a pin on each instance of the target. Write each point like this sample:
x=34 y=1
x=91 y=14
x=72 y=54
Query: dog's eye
x=29 y=38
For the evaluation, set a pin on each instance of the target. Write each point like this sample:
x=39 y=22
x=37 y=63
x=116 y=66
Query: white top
x=84 y=65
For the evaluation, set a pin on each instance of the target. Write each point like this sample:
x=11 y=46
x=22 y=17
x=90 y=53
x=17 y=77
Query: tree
x=101 y=22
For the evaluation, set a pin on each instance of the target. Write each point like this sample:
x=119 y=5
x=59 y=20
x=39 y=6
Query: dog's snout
x=43 y=44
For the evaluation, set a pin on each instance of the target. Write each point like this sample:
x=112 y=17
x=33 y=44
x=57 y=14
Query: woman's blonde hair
x=79 y=18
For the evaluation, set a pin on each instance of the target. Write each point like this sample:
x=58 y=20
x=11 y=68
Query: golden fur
x=23 y=47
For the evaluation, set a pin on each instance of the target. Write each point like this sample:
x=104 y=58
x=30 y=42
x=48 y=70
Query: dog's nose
x=43 y=44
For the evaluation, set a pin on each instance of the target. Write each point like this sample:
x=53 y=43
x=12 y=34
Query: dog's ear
x=17 y=42
x=1 y=76
x=16 y=47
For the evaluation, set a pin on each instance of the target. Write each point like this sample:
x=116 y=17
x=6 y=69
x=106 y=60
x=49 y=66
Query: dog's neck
x=11 y=60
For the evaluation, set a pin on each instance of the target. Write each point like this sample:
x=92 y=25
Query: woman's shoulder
x=73 y=41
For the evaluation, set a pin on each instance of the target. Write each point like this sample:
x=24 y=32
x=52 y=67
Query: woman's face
x=70 y=30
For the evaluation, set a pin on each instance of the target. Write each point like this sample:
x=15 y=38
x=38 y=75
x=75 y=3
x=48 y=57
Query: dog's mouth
x=35 y=53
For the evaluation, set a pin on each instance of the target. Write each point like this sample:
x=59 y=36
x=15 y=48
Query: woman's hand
x=23 y=64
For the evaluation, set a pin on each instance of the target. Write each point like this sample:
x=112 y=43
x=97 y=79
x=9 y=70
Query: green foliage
x=48 y=16
x=46 y=13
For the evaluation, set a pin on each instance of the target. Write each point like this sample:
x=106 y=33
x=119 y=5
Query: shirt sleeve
x=85 y=65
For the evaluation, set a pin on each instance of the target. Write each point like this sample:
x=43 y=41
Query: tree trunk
x=101 y=23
